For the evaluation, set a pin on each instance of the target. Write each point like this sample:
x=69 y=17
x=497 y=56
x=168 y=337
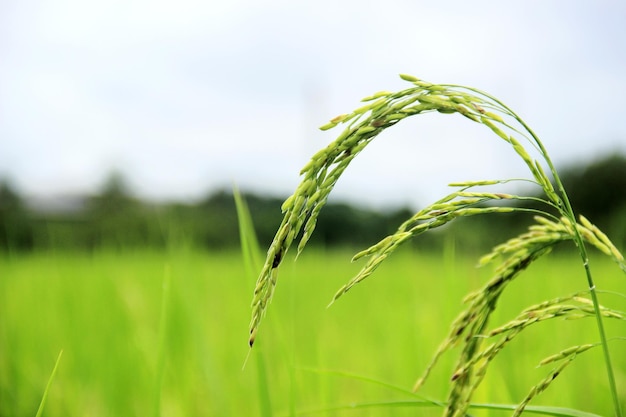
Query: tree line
x=115 y=218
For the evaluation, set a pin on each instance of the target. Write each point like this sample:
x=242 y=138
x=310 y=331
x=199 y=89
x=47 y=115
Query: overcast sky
x=188 y=96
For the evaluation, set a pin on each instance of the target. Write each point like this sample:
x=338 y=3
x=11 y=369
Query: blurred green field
x=103 y=310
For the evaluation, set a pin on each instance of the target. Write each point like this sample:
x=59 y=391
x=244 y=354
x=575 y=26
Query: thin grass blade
x=48 y=385
x=250 y=248
x=162 y=335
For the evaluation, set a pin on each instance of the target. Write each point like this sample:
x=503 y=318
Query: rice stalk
x=383 y=110
x=543 y=385
x=566 y=353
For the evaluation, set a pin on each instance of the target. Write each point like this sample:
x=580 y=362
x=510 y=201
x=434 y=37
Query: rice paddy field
x=165 y=334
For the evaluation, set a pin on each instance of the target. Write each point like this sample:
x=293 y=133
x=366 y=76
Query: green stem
x=582 y=250
x=594 y=297
x=569 y=213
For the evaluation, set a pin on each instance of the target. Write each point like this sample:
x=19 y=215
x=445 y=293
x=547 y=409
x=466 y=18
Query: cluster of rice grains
x=383 y=110
x=470 y=327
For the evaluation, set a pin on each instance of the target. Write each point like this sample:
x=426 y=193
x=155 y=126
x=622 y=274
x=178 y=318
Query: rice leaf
x=48 y=385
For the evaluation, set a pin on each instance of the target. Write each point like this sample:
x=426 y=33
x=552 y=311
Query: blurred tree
x=15 y=228
x=598 y=190
x=217 y=218
x=343 y=224
x=114 y=194
x=114 y=217
x=118 y=219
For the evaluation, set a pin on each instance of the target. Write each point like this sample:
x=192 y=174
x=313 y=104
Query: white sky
x=188 y=96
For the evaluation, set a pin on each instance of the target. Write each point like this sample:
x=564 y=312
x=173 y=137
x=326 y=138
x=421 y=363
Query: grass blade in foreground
x=383 y=110
x=250 y=247
x=162 y=346
x=539 y=410
x=48 y=385
x=250 y=250
x=425 y=402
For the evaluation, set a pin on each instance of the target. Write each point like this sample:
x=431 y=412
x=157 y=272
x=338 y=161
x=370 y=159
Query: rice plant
x=554 y=223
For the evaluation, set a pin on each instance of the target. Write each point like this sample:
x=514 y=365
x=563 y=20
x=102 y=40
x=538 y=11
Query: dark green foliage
x=15 y=228
x=598 y=190
x=115 y=218
x=348 y=225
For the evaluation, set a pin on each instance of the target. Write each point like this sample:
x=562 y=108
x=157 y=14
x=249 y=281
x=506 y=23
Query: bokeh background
x=186 y=97
x=160 y=108
x=125 y=126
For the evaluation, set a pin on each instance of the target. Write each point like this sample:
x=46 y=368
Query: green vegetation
x=117 y=306
x=115 y=218
x=554 y=222
x=103 y=310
